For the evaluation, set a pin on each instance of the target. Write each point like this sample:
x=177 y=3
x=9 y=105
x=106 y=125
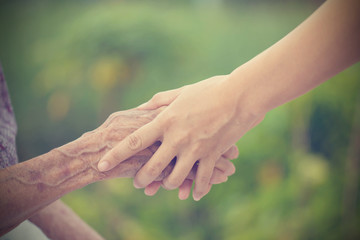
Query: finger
x=132 y=144
x=185 y=189
x=181 y=170
x=232 y=153
x=152 y=188
x=207 y=190
x=226 y=166
x=202 y=179
x=160 y=99
x=218 y=177
x=152 y=169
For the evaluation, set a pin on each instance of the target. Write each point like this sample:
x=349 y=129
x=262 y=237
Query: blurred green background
x=69 y=64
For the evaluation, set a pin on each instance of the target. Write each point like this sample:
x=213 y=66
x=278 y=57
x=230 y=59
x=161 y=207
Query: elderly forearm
x=27 y=187
x=59 y=222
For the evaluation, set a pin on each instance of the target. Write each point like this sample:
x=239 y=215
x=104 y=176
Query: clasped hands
x=120 y=126
x=198 y=127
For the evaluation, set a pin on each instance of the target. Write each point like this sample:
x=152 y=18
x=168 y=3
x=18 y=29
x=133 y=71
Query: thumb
x=161 y=99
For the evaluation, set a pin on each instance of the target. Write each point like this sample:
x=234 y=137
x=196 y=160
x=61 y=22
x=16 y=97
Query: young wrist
x=247 y=100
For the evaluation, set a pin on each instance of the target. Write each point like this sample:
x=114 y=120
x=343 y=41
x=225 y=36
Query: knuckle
x=112 y=115
x=173 y=182
x=217 y=77
x=153 y=170
x=156 y=97
x=203 y=180
x=182 y=139
x=197 y=149
x=170 y=117
x=108 y=121
x=134 y=142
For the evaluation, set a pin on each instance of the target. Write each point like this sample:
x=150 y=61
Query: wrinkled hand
x=92 y=146
x=200 y=124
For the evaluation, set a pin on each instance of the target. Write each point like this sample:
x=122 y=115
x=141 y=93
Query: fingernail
x=136 y=185
x=196 y=197
x=103 y=166
x=182 y=196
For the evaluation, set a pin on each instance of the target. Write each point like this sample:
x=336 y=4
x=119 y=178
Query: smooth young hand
x=223 y=169
x=200 y=124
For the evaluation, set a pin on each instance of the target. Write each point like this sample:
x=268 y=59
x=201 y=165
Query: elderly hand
x=120 y=124
x=117 y=127
x=200 y=123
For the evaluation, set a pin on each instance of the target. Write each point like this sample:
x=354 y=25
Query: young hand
x=223 y=169
x=200 y=123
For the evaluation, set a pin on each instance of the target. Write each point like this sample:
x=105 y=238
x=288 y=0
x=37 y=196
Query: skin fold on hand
x=201 y=133
x=223 y=167
x=27 y=187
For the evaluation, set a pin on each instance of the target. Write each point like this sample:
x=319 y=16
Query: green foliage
x=70 y=64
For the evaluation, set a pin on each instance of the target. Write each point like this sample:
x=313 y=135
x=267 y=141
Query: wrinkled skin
x=31 y=185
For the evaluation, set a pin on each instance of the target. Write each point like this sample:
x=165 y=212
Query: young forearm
x=209 y=116
x=322 y=46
